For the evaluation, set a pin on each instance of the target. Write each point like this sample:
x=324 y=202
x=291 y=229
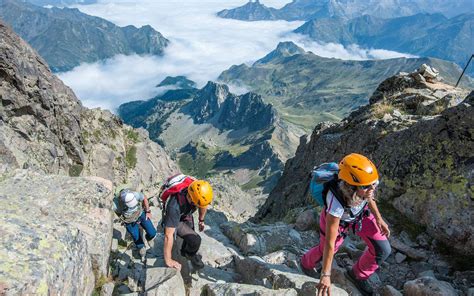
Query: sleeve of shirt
x=116 y=206
x=139 y=196
x=334 y=206
x=172 y=214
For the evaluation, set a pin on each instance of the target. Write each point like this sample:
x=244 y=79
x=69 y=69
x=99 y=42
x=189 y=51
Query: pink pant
x=378 y=247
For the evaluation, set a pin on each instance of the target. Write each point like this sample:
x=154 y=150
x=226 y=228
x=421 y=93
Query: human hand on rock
x=324 y=286
x=174 y=264
x=201 y=226
x=148 y=216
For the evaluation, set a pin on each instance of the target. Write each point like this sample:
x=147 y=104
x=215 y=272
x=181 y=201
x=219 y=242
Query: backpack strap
x=333 y=186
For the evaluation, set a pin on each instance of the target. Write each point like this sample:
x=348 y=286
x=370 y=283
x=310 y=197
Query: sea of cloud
x=201 y=47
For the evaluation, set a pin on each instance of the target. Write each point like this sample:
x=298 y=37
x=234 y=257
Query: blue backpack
x=320 y=176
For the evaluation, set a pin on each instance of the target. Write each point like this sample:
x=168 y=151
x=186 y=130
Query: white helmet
x=129 y=198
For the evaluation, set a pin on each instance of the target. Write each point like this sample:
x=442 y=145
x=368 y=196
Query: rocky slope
x=45 y=127
x=419 y=133
x=67 y=37
x=46 y=136
x=307 y=89
x=427 y=35
x=214 y=131
x=308 y=9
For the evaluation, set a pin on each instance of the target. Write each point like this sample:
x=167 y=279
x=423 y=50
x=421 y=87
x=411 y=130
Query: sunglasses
x=373 y=185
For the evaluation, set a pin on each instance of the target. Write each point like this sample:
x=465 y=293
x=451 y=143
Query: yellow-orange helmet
x=200 y=192
x=357 y=170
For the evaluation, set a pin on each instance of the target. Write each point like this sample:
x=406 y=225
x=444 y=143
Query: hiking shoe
x=142 y=252
x=363 y=285
x=196 y=261
x=151 y=243
x=312 y=272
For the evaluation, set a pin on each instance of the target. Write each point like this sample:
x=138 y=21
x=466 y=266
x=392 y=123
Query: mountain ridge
x=306 y=88
x=66 y=37
x=420 y=34
x=307 y=9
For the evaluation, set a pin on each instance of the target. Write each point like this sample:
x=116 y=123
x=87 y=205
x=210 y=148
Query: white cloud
x=202 y=46
x=352 y=52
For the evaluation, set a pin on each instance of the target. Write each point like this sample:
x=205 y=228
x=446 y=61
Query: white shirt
x=337 y=210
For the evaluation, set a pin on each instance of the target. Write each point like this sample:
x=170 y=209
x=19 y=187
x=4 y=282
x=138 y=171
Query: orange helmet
x=201 y=193
x=357 y=170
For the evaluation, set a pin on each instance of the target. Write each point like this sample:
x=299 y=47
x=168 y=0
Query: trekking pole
x=464 y=70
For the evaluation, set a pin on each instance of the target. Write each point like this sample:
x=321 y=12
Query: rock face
x=66 y=37
x=56 y=233
x=45 y=127
x=56 y=229
x=419 y=134
x=40 y=115
x=310 y=89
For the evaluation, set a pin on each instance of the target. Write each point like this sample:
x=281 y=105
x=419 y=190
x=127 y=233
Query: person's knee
x=382 y=251
x=193 y=241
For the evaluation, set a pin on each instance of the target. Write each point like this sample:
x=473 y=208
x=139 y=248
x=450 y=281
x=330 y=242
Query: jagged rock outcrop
x=420 y=137
x=44 y=126
x=40 y=115
x=215 y=102
x=56 y=233
x=66 y=37
x=214 y=129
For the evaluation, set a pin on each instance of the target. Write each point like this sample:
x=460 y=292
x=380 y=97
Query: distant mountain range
x=311 y=9
x=67 y=37
x=60 y=2
x=430 y=35
x=307 y=89
x=212 y=131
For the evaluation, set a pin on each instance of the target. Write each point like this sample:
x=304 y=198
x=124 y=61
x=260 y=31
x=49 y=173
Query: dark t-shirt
x=176 y=212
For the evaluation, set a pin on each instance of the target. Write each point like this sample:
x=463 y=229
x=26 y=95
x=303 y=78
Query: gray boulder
x=162 y=281
x=234 y=289
x=428 y=286
x=389 y=291
x=56 y=233
x=307 y=220
x=262 y=239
